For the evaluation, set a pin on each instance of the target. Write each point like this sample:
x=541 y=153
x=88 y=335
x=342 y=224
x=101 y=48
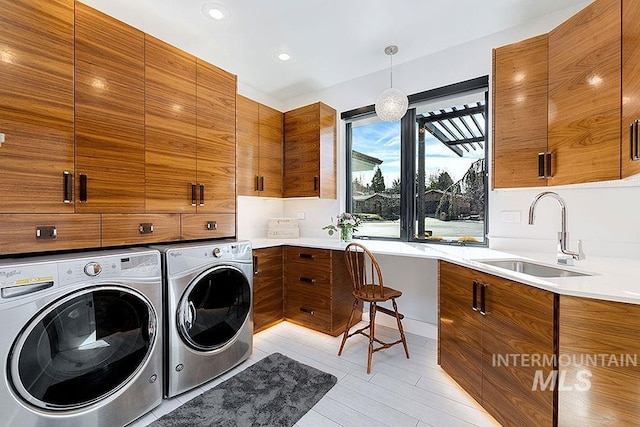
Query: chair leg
x=346 y=329
x=372 y=332
x=404 y=341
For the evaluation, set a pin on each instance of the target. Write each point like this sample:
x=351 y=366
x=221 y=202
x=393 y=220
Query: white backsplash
x=605 y=216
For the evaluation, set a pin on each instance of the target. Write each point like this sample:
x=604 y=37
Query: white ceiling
x=331 y=41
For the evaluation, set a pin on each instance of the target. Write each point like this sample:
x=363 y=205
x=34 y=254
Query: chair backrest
x=364 y=270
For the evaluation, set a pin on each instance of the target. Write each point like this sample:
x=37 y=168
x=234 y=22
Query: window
x=423 y=178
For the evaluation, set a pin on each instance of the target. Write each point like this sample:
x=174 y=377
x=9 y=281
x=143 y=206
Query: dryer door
x=214 y=308
x=82 y=348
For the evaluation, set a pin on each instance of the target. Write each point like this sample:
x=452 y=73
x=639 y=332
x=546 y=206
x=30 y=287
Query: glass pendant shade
x=391 y=105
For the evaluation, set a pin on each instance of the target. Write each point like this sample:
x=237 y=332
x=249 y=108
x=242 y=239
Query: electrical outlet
x=511 y=217
x=301 y=215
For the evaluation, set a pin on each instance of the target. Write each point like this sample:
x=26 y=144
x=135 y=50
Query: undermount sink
x=532 y=268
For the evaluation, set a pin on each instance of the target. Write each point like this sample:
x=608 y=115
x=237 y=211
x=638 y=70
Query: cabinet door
x=584 y=95
x=630 y=88
x=248 y=146
x=302 y=152
x=267 y=288
x=460 y=328
x=270 y=151
x=328 y=168
x=170 y=123
x=109 y=91
x=520 y=322
x=36 y=105
x=598 y=342
x=519 y=112
x=216 y=136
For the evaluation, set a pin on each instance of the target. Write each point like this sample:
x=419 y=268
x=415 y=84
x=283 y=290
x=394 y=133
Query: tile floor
x=398 y=392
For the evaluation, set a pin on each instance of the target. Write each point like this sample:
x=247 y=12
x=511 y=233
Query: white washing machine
x=208 y=317
x=80 y=343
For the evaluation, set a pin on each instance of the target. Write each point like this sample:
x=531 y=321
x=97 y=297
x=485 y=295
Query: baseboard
x=413 y=326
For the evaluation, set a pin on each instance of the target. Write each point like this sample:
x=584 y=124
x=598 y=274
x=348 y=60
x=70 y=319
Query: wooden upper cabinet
x=585 y=94
x=109 y=102
x=310 y=152
x=36 y=106
x=271 y=155
x=248 y=146
x=170 y=125
x=259 y=149
x=216 y=139
x=630 y=88
x=519 y=112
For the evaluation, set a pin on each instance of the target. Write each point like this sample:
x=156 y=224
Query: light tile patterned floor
x=398 y=392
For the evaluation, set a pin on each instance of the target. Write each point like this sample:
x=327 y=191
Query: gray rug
x=276 y=391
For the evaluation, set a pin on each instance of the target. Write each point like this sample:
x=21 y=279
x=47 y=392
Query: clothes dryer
x=80 y=344
x=209 y=323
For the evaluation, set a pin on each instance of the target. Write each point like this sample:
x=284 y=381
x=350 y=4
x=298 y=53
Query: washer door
x=82 y=348
x=213 y=308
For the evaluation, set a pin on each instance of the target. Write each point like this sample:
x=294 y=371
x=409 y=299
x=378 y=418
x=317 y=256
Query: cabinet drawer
x=308 y=310
x=311 y=275
x=207 y=226
x=19 y=232
x=126 y=229
x=308 y=256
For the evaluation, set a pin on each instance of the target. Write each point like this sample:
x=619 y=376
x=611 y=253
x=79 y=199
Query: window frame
x=408 y=165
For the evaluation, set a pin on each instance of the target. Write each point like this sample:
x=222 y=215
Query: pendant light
x=391 y=104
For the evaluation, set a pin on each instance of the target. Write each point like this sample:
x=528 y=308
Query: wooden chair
x=368 y=287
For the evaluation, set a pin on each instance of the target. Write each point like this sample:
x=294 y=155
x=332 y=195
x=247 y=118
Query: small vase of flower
x=346 y=224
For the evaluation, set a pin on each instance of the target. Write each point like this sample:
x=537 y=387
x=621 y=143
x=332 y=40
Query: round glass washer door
x=82 y=348
x=213 y=308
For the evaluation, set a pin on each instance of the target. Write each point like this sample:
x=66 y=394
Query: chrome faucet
x=565 y=256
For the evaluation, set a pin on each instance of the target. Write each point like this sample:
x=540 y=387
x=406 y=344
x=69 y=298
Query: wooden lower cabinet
x=317 y=289
x=494 y=337
x=268 y=292
x=598 y=354
x=134 y=229
x=22 y=233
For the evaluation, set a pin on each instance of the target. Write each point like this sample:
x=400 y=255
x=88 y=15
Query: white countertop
x=611 y=278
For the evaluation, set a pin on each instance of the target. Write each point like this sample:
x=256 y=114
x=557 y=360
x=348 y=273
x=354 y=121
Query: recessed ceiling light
x=215 y=11
x=283 y=55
